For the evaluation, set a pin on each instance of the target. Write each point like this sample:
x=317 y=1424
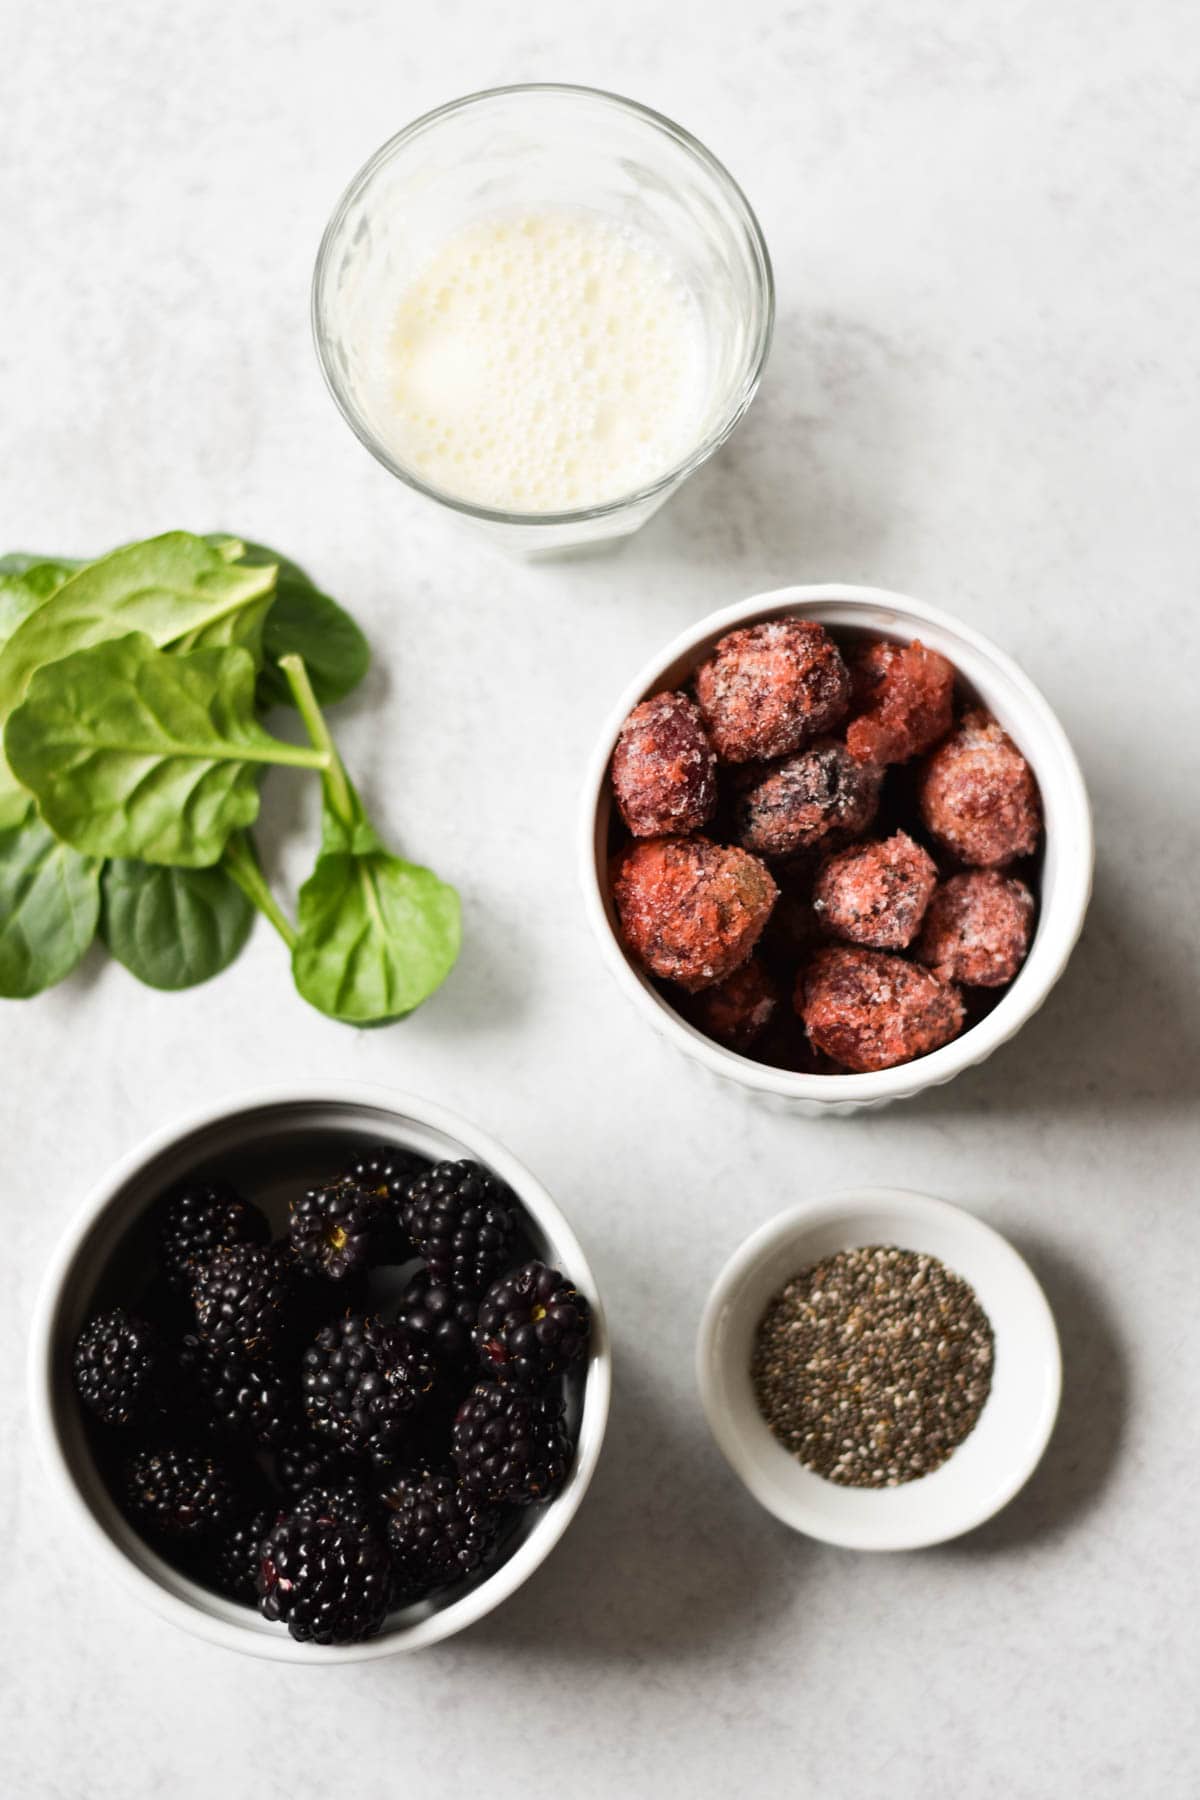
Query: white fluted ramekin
x=110 y=1238
x=1066 y=878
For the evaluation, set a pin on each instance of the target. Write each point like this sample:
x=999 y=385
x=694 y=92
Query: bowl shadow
x=805 y=486
x=666 y=1561
x=1085 y=1447
x=1119 y=1033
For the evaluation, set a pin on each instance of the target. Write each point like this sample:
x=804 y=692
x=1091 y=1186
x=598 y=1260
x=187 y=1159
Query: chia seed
x=872 y=1366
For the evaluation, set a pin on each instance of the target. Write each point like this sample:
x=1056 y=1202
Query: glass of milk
x=543 y=307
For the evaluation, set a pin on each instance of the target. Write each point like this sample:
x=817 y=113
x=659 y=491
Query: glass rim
x=730 y=415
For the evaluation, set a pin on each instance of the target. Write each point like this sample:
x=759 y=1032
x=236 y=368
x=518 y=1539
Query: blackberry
x=328 y=1583
x=243 y=1301
x=510 y=1448
x=426 y=1443
x=386 y=1173
x=362 y=1382
x=533 y=1324
x=239 y=1399
x=338 y=1500
x=436 y=1532
x=439 y=1316
x=196 y=1220
x=340 y=1229
x=459 y=1221
x=118 y=1367
x=179 y=1494
x=232 y=1563
x=303 y=1461
x=316 y=1299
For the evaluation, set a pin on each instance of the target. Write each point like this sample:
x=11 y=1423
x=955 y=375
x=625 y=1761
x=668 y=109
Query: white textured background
x=985 y=390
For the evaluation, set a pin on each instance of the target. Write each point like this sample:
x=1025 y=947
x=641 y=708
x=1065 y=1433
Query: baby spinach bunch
x=132 y=694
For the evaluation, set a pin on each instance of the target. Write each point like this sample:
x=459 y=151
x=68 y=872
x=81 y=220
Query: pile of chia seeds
x=872 y=1366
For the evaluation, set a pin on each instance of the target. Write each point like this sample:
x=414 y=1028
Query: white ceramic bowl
x=988 y=1467
x=112 y=1238
x=1066 y=877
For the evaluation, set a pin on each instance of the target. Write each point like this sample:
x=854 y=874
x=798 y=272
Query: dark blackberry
x=118 y=1366
x=239 y=1399
x=533 y=1324
x=328 y=1583
x=436 y=1532
x=341 y=1229
x=233 y=1560
x=196 y=1220
x=510 y=1448
x=426 y=1443
x=460 y=1222
x=179 y=1494
x=438 y=1316
x=362 y=1383
x=315 y=1299
x=243 y=1299
x=387 y=1173
x=302 y=1461
x=338 y=1500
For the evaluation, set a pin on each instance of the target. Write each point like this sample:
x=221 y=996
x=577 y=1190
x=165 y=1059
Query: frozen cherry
x=770 y=688
x=664 y=771
x=903 y=698
x=737 y=1010
x=690 y=911
x=871 y=1011
x=977 y=929
x=978 y=795
x=819 y=796
x=876 y=894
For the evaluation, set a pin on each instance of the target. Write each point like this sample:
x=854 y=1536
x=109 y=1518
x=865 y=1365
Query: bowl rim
x=1017 y=1005
x=44 y=1403
x=902 y=1204
x=740 y=397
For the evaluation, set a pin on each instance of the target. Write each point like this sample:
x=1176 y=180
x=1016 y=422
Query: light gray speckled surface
x=984 y=219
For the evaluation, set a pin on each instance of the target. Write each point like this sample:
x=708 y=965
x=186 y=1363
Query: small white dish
x=111 y=1239
x=1013 y=1429
x=1065 y=881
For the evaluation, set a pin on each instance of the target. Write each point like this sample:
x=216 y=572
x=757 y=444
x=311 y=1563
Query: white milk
x=542 y=362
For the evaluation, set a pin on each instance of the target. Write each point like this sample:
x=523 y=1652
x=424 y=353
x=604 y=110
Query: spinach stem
x=334 y=775
x=241 y=867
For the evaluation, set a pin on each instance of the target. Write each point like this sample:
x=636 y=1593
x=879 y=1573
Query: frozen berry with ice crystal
x=978 y=795
x=903 y=698
x=737 y=1010
x=876 y=894
x=664 y=771
x=770 y=688
x=977 y=929
x=821 y=796
x=691 y=911
x=871 y=1011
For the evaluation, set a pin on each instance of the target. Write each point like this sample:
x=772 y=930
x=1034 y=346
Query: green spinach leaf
x=375 y=935
x=25 y=582
x=165 y=587
x=173 y=928
x=20 y=562
x=49 y=904
x=307 y=623
x=133 y=752
x=243 y=628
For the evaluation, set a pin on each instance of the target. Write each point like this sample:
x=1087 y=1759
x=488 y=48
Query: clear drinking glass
x=540 y=146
